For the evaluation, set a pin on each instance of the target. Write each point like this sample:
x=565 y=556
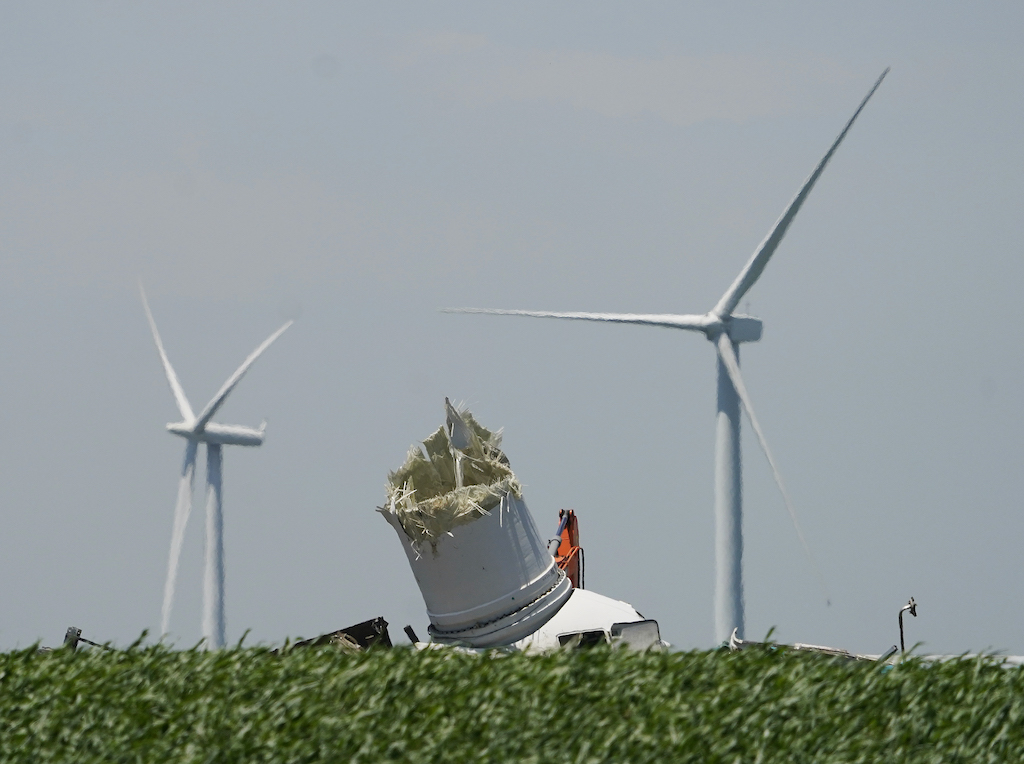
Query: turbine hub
x=184 y=429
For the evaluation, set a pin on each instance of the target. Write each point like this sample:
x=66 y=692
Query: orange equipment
x=569 y=555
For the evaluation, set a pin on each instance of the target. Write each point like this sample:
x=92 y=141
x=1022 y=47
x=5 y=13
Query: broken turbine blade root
x=425 y=494
x=488 y=579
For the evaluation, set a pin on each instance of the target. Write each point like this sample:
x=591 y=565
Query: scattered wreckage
x=487 y=576
x=489 y=580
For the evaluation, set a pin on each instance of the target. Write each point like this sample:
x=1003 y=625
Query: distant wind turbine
x=726 y=330
x=196 y=430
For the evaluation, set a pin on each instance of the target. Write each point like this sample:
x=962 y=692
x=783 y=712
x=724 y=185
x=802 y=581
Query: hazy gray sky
x=359 y=167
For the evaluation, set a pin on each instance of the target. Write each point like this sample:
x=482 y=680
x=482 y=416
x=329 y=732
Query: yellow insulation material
x=441 y=487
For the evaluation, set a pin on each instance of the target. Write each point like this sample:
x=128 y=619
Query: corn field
x=155 y=704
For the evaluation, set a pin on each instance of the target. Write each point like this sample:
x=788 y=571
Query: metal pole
x=728 y=511
x=912 y=607
x=213 y=576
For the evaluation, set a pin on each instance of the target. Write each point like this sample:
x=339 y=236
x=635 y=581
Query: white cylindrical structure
x=492 y=581
x=213 y=573
x=728 y=511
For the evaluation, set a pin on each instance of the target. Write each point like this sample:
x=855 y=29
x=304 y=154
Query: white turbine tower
x=196 y=430
x=726 y=329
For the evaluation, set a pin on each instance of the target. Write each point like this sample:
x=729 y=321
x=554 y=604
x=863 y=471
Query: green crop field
x=153 y=704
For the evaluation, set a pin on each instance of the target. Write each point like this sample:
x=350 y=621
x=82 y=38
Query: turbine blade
x=760 y=258
x=729 y=360
x=172 y=378
x=181 y=513
x=692 y=322
x=218 y=399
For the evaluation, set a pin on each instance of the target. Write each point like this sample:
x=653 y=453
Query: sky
x=359 y=167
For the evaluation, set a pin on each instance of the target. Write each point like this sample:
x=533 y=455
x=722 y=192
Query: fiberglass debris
x=458 y=475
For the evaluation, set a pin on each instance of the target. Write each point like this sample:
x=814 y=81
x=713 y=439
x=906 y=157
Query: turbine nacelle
x=223 y=434
x=740 y=328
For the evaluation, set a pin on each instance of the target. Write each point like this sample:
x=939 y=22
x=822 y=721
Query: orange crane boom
x=569 y=555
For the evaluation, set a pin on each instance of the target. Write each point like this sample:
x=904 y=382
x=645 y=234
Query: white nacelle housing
x=587 y=615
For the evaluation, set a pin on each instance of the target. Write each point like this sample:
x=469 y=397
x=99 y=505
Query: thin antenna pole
x=912 y=607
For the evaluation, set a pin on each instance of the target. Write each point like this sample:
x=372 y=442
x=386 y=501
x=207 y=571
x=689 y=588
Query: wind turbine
x=195 y=430
x=726 y=329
